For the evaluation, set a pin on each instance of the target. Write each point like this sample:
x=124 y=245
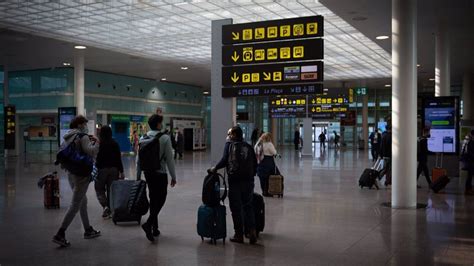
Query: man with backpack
x=241 y=163
x=155 y=156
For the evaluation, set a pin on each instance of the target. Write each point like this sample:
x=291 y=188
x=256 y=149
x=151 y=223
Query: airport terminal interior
x=355 y=95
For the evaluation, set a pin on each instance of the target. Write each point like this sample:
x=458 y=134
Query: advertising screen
x=65 y=115
x=441 y=116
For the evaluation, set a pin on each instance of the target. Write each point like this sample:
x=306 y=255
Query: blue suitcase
x=211 y=223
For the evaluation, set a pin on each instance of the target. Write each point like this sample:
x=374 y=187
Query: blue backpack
x=74 y=160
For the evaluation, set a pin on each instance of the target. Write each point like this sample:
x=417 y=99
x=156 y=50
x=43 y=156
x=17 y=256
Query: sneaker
x=238 y=238
x=107 y=213
x=61 y=240
x=149 y=235
x=91 y=233
x=156 y=231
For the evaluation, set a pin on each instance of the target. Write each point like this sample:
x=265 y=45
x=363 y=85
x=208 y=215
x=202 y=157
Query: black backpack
x=149 y=153
x=212 y=193
x=241 y=161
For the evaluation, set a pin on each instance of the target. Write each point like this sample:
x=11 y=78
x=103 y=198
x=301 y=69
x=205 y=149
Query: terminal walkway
x=323 y=219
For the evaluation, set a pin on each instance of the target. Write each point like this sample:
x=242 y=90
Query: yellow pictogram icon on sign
x=312 y=28
x=259 y=33
x=298 y=29
x=340 y=100
x=278 y=102
x=285 y=53
x=285 y=31
x=255 y=77
x=248 y=54
x=303 y=101
x=234 y=78
x=323 y=101
x=235 y=36
x=277 y=76
x=246 y=77
x=313 y=101
x=272 y=32
x=329 y=101
x=298 y=52
x=318 y=109
x=247 y=34
x=267 y=75
x=235 y=56
x=272 y=53
x=259 y=54
x=318 y=100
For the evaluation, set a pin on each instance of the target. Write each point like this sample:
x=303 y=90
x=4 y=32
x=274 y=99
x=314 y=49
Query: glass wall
x=2 y=122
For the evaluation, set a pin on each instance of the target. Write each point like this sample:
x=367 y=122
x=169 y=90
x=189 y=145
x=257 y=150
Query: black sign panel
x=10 y=127
x=273 y=52
x=284 y=29
x=287 y=106
x=328 y=108
x=272 y=74
x=267 y=90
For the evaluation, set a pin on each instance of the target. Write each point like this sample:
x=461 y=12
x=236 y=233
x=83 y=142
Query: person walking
x=240 y=162
x=109 y=166
x=296 y=140
x=386 y=154
x=157 y=180
x=322 y=141
x=79 y=184
x=255 y=136
x=265 y=151
x=422 y=156
x=375 y=140
x=336 y=140
x=470 y=164
x=179 y=144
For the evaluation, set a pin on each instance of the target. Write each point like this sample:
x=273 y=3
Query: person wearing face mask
x=79 y=184
x=422 y=155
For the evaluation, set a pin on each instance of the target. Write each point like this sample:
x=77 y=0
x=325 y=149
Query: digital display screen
x=66 y=114
x=441 y=116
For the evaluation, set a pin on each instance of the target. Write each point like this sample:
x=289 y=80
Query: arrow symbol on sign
x=267 y=76
x=235 y=36
x=235 y=78
x=235 y=57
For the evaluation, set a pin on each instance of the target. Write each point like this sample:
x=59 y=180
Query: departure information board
x=287 y=106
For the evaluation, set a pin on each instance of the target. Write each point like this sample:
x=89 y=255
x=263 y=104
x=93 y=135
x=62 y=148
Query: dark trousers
x=240 y=201
x=470 y=173
x=297 y=146
x=375 y=152
x=176 y=152
x=158 y=190
x=423 y=167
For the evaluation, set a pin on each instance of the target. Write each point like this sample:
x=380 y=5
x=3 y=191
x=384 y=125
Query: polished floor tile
x=323 y=219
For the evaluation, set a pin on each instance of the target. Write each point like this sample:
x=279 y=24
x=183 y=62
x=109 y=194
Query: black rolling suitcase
x=370 y=175
x=259 y=210
x=126 y=200
x=440 y=183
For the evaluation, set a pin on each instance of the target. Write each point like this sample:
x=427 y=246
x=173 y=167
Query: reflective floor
x=324 y=219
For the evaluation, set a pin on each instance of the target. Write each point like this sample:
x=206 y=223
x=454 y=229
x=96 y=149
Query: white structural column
x=467 y=96
x=365 y=120
x=404 y=110
x=442 y=62
x=79 y=81
x=307 y=135
x=223 y=110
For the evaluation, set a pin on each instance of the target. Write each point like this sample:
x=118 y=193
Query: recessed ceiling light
x=382 y=37
x=66 y=64
x=418 y=65
x=163 y=79
x=388 y=85
x=184 y=68
x=206 y=92
x=80 y=47
x=432 y=79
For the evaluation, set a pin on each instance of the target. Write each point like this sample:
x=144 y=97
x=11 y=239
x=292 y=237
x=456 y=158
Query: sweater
x=109 y=156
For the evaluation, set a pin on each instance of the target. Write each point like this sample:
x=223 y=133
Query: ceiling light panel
x=177 y=29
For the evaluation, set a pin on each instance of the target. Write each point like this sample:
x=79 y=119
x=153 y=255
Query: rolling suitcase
x=51 y=191
x=119 y=201
x=370 y=175
x=276 y=183
x=440 y=183
x=259 y=210
x=438 y=171
x=211 y=223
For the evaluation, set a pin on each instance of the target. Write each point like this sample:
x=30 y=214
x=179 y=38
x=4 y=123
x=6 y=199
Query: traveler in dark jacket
x=255 y=135
x=179 y=144
x=296 y=140
x=470 y=163
x=375 y=140
x=386 y=155
x=79 y=184
x=240 y=186
x=109 y=165
x=422 y=155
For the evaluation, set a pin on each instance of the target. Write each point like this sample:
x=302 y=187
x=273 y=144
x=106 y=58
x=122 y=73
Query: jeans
x=158 y=190
x=102 y=184
x=240 y=201
x=79 y=186
x=423 y=167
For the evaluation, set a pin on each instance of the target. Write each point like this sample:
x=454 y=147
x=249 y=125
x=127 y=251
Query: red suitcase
x=51 y=191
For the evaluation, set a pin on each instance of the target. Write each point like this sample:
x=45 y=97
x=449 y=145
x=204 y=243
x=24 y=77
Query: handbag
x=74 y=160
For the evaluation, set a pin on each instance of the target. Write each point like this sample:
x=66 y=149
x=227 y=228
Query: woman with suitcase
x=265 y=151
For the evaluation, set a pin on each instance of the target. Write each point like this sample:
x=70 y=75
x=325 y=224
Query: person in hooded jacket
x=79 y=184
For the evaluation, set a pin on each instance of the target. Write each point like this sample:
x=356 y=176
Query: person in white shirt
x=265 y=152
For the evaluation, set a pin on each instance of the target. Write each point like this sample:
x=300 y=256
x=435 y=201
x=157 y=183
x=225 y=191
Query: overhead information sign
x=272 y=74
x=329 y=108
x=10 y=127
x=318 y=100
x=273 y=52
x=287 y=106
x=266 y=90
x=284 y=29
